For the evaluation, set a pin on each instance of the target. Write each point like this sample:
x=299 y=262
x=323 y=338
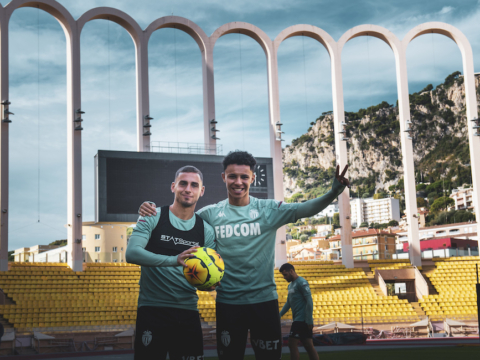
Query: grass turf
x=437 y=353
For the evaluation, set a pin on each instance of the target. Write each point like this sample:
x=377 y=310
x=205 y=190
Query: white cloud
x=446 y=10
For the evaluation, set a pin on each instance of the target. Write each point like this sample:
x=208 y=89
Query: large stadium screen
x=126 y=179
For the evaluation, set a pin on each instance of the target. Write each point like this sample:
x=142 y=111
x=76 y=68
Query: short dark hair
x=238 y=157
x=189 y=169
x=286 y=267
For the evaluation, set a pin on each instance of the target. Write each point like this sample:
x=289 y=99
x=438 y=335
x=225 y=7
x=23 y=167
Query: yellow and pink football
x=205 y=269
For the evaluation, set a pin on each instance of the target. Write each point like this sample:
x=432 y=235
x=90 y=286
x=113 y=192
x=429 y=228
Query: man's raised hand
x=340 y=177
x=147 y=209
x=185 y=255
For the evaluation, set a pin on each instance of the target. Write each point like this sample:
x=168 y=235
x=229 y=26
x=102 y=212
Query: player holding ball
x=245 y=229
x=167 y=317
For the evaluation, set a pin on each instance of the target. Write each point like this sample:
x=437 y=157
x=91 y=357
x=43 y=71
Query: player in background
x=167 y=317
x=245 y=230
x=300 y=301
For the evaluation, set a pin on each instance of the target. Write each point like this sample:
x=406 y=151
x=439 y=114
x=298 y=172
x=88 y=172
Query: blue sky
x=37 y=84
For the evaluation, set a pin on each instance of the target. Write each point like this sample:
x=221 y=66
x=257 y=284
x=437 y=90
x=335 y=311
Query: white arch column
x=74 y=154
x=274 y=114
x=3 y=143
x=276 y=149
x=407 y=158
x=341 y=156
x=472 y=113
x=142 y=93
x=208 y=98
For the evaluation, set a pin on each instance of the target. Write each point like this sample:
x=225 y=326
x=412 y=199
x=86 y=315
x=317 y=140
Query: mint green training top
x=162 y=282
x=299 y=300
x=246 y=241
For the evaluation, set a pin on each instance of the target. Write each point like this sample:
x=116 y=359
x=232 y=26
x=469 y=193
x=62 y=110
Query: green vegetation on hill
x=59 y=242
x=439 y=141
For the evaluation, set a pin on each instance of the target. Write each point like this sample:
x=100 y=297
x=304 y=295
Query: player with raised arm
x=300 y=301
x=167 y=317
x=245 y=229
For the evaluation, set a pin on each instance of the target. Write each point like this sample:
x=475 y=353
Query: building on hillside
x=461 y=231
x=315 y=243
x=370 y=244
x=369 y=210
x=291 y=243
x=307 y=254
x=100 y=243
x=465 y=230
x=320 y=242
x=463 y=199
x=104 y=242
x=329 y=211
x=321 y=230
x=31 y=253
x=442 y=247
x=422 y=216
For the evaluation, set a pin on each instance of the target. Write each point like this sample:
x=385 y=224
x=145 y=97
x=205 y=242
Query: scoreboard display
x=124 y=180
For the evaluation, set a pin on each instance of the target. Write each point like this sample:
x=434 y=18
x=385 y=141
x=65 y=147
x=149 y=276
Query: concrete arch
x=180 y=23
x=115 y=15
x=371 y=30
x=273 y=110
x=470 y=91
x=203 y=42
x=74 y=171
x=448 y=30
x=136 y=33
x=246 y=29
x=404 y=114
x=310 y=31
x=58 y=11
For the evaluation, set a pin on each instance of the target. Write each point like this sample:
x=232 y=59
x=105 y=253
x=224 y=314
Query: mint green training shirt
x=162 y=282
x=246 y=241
x=300 y=301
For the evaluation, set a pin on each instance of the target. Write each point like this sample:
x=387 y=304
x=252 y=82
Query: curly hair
x=238 y=157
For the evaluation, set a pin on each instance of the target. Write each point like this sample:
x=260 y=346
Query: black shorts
x=300 y=330
x=263 y=321
x=162 y=330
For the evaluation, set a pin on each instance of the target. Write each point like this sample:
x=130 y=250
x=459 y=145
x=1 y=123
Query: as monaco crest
x=146 y=337
x=225 y=338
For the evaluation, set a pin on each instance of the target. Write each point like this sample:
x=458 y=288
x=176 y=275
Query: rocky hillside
x=440 y=144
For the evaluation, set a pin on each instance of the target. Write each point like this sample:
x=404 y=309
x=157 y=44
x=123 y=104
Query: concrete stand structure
x=206 y=44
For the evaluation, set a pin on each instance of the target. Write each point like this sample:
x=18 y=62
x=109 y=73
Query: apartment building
x=369 y=244
x=463 y=199
x=104 y=242
x=100 y=243
x=369 y=210
x=465 y=230
x=328 y=211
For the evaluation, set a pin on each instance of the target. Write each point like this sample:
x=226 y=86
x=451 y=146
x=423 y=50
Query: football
x=205 y=269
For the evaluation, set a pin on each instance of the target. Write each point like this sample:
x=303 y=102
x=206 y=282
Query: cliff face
x=440 y=144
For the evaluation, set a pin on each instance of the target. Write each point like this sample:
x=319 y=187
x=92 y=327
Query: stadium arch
x=273 y=109
x=470 y=93
x=202 y=40
x=337 y=91
x=404 y=113
x=141 y=53
x=74 y=198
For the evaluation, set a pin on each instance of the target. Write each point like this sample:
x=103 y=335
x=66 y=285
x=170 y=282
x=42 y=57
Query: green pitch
x=439 y=353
